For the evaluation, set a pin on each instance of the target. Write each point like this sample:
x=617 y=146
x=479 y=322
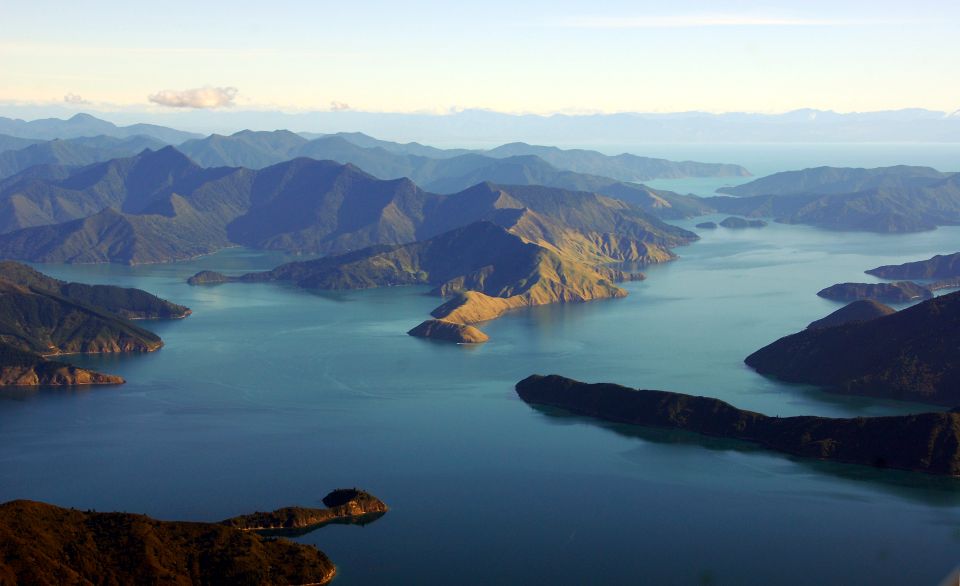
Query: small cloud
x=336 y=106
x=204 y=97
x=74 y=99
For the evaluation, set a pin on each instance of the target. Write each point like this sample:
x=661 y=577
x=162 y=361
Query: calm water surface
x=268 y=396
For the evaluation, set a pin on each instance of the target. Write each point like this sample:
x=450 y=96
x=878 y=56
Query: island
x=736 y=223
x=858 y=311
x=908 y=355
x=707 y=225
x=343 y=505
x=45 y=544
x=925 y=442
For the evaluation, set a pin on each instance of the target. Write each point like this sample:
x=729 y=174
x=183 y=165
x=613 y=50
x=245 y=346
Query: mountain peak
x=84 y=117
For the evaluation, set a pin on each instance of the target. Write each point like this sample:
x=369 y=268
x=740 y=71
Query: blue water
x=268 y=396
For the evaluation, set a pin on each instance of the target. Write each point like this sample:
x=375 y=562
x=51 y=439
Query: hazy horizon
x=538 y=57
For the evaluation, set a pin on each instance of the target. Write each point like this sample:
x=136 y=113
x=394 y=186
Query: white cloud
x=339 y=106
x=204 y=97
x=690 y=21
x=74 y=99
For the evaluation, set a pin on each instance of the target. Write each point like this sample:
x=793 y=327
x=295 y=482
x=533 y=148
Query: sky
x=519 y=57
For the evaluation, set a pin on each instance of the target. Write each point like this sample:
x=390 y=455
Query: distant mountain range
x=85 y=125
x=75 y=152
x=438 y=170
x=390 y=160
x=160 y=206
x=886 y=199
x=475 y=127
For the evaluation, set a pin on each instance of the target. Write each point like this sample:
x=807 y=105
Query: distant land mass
x=159 y=206
x=487 y=127
x=942 y=266
x=85 y=125
x=443 y=172
x=926 y=442
x=435 y=169
x=47 y=545
x=75 y=152
x=389 y=160
x=909 y=355
x=41 y=316
x=886 y=200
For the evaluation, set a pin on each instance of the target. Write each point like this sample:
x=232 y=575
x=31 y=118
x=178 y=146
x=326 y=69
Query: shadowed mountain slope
x=909 y=355
x=160 y=206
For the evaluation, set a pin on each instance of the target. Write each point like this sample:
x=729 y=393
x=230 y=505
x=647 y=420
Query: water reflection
x=928 y=489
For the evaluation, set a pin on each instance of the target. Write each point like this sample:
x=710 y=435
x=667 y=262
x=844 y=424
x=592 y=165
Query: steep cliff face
x=926 y=442
x=45 y=545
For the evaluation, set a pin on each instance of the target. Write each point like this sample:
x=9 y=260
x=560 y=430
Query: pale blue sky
x=533 y=56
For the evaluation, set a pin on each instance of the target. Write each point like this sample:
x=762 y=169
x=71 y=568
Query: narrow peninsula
x=343 y=505
x=926 y=442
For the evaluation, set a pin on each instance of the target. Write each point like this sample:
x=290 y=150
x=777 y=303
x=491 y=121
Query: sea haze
x=269 y=396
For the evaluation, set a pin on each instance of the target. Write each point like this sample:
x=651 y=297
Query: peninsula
x=19 y=368
x=518 y=259
x=942 y=266
x=343 y=505
x=926 y=442
x=46 y=544
x=42 y=317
